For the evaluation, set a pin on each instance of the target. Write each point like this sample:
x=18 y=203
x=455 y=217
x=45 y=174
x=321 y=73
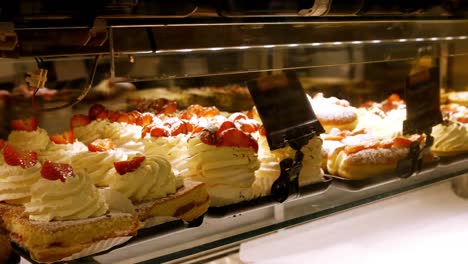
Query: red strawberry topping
x=64 y=138
x=95 y=110
x=30 y=124
x=123 y=167
x=56 y=171
x=101 y=145
x=159 y=131
x=79 y=120
x=235 y=138
x=247 y=125
x=237 y=116
x=16 y=157
x=208 y=137
x=224 y=126
x=144 y=119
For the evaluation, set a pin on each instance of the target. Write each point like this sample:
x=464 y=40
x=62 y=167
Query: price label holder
x=288 y=118
x=422 y=97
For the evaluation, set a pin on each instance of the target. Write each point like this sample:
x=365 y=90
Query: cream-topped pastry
x=15 y=182
x=269 y=169
x=62 y=153
x=174 y=149
x=18 y=172
x=98 y=163
x=91 y=131
x=450 y=138
x=227 y=170
x=64 y=195
x=148 y=178
x=36 y=140
x=333 y=112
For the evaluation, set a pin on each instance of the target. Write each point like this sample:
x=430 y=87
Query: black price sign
x=422 y=97
x=284 y=109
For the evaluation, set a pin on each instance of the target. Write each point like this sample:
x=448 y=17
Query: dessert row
x=116 y=172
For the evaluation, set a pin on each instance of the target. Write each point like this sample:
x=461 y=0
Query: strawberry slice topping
x=101 y=145
x=144 y=119
x=123 y=167
x=56 y=171
x=169 y=108
x=233 y=137
x=247 y=125
x=64 y=138
x=159 y=131
x=95 y=110
x=224 y=126
x=17 y=157
x=208 y=137
x=237 y=116
x=30 y=124
x=180 y=127
x=79 y=120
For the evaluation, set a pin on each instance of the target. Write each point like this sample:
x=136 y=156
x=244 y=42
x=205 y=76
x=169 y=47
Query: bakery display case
x=176 y=133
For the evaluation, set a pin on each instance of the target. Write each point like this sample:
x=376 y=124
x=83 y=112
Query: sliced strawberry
x=180 y=127
x=16 y=157
x=79 y=120
x=224 y=126
x=208 y=137
x=95 y=110
x=135 y=114
x=169 y=108
x=262 y=131
x=252 y=113
x=123 y=167
x=29 y=124
x=64 y=138
x=146 y=129
x=186 y=115
x=247 y=125
x=197 y=129
x=237 y=116
x=144 y=119
x=233 y=137
x=159 y=131
x=123 y=118
x=56 y=171
x=113 y=116
x=101 y=145
x=102 y=115
x=209 y=112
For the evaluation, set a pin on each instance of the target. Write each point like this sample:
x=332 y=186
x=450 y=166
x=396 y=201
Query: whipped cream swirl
x=73 y=199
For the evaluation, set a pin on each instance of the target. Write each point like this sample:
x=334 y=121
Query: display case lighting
x=338 y=43
x=216 y=49
x=269 y=46
x=356 y=42
x=419 y=39
x=434 y=39
x=316 y=44
x=376 y=41
x=402 y=40
x=449 y=38
x=293 y=45
x=462 y=37
x=244 y=47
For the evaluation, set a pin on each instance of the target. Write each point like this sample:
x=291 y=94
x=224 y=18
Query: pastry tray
x=242 y=207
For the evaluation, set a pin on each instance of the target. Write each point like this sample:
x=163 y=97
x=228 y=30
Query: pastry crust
x=53 y=241
x=366 y=163
x=189 y=203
